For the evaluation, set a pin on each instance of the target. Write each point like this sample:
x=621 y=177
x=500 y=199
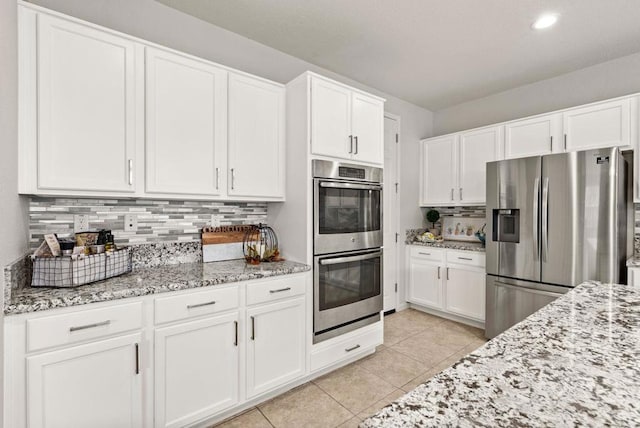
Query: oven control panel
x=354 y=173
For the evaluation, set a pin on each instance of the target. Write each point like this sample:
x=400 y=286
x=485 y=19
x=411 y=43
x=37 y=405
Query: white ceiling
x=434 y=53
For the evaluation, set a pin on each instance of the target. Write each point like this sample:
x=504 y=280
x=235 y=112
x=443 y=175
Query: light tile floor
x=416 y=347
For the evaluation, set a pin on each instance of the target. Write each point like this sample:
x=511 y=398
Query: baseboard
x=447 y=315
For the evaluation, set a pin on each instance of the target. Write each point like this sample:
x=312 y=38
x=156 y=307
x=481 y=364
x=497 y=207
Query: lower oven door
x=347 y=288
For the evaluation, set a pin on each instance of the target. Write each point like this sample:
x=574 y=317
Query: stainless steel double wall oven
x=347 y=247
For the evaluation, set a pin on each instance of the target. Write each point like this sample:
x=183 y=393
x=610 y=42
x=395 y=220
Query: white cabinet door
x=476 y=149
x=439 y=170
x=196 y=370
x=538 y=136
x=425 y=282
x=599 y=125
x=330 y=119
x=186 y=125
x=94 y=385
x=465 y=292
x=256 y=137
x=86 y=103
x=276 y=345
x=367 y=115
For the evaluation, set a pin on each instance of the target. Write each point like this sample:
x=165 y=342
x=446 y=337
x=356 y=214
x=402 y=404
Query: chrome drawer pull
x=424 y=254
x=197 y=305
x=84 y=327
x=279 y=290
x=465 y=258
x=352 y=348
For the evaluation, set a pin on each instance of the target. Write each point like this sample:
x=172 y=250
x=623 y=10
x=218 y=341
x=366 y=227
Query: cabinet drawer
x=74 y=327
x=466 y=258
x=275 y=289
x=196 y=304
x=427 y=253
x=346 y=348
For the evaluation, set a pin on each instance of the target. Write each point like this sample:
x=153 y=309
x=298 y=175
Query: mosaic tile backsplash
x=158 y=220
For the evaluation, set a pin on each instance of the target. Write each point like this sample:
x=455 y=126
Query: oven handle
x=338 y=260
x=350 y=185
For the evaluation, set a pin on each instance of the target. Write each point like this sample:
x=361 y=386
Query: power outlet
x=80 y=223
x=215 y=220
x=130 y=222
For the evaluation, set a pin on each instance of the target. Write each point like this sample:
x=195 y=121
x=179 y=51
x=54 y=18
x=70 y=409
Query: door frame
x=397 y=118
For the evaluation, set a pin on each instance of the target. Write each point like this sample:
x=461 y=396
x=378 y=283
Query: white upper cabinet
x=256 y=137
x=541 y=135
x=476 y=148
x=346 y=123
x=598 y=125
x=85 y=103
x=186 y=123
x=102 y=113
x=367 y=119
x=454 y=166
x=330 y=119
x=439 y=170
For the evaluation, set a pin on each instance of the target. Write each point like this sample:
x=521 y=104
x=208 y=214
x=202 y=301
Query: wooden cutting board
x=223 y=242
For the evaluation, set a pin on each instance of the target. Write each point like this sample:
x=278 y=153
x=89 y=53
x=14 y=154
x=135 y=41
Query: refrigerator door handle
x=536 y=197
x=545 y=219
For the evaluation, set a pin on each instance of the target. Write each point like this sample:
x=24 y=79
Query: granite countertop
x=145 y=281
x=452 y=245
x=575 y=362
x=633 y=261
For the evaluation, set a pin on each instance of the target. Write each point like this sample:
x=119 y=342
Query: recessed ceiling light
x=545 y=21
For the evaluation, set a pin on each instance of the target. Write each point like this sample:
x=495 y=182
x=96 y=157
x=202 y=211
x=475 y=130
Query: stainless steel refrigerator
x=553 y=222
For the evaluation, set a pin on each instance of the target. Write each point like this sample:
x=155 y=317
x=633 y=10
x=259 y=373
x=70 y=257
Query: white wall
x=161 y=24
x=606 y=80
x=13 y=210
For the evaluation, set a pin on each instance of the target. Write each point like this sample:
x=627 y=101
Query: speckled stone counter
x=145 y=281
x=633 y=262
x=452 y=245
x=576 y=362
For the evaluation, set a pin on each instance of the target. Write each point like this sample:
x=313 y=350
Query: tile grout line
x=331 y=396
x=265 y=416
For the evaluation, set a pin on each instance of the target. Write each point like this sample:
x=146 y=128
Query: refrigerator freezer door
x=513 y=221
x=582 y=201
x=510 y=301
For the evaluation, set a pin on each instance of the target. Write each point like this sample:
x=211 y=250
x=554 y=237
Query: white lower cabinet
x=275 y=345
x=196 y=369
x=448 y=281
x=465 y=291
x=93 y=385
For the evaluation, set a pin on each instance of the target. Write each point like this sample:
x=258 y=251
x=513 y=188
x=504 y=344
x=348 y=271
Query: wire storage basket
x=260 y=244
x=71 y=271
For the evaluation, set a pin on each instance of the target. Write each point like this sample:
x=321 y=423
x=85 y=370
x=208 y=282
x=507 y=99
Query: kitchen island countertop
x=452 y=245
x=146 y=281
x=574 y=362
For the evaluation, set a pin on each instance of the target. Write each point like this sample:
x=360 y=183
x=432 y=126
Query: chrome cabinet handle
x=198 y=305
x=217 y=178
x=465 y=258
x=84 y=327
x=137 y=359
x=460 y=190
x=424 y=254
x=280 y=290
x=350 y=143
x=452 y=193
x=253 y=328
x=233 y=178
x=356 y=140
x=565 y=142
x=130 y=172
x=353 y=348
x=235 y=341
x=551 y=144
x=536 y=196
x=447 y=274
x=545 y=219
x=438 y=272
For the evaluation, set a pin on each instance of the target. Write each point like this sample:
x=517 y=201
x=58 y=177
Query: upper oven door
x=347 y=216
